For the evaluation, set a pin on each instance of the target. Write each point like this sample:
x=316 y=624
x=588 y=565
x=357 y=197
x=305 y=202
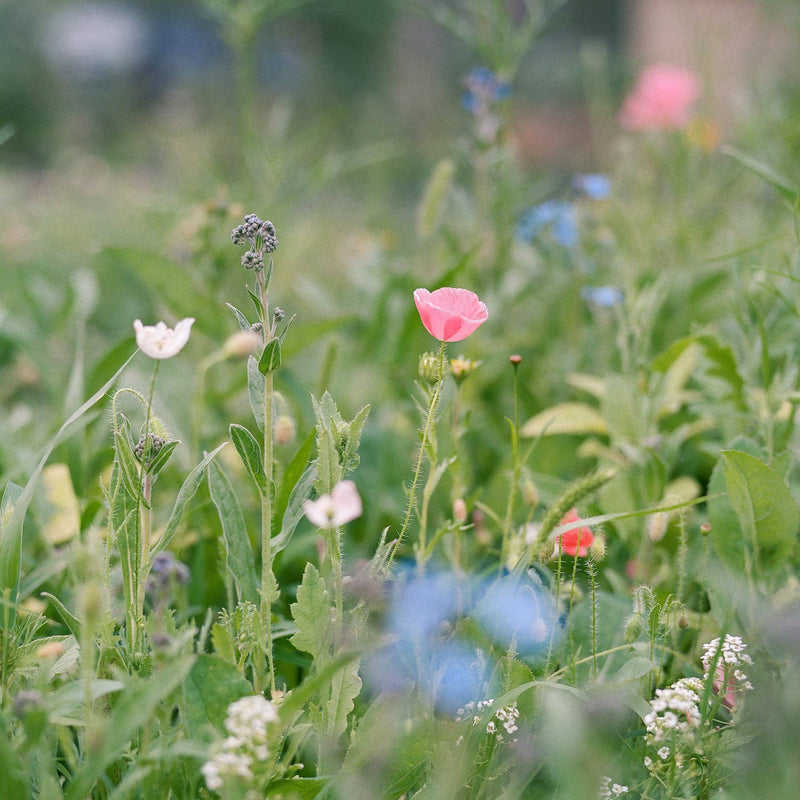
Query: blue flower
x=602 y=296
x=483 y=87
x=557 y=216
x=593 y=185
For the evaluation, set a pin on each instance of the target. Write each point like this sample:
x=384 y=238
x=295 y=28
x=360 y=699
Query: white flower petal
x=159 y=341
x=333 y=510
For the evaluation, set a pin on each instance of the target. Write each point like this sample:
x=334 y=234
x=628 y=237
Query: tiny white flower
x=333 y=510
x=663 y=753
x=159 y=341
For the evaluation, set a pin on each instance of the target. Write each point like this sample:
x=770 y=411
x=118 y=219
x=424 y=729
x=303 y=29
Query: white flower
x=159 y=341
x=333 y=510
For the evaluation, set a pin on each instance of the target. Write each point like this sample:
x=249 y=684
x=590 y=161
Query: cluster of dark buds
x=147 y=449
x=165 y=572
x=260 y=235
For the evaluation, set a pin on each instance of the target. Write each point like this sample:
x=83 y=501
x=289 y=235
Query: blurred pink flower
x=448 y=314
x=577 y=541
x=333 y=510
x=661 y=99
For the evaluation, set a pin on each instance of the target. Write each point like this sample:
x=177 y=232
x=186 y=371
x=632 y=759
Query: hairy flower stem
x=430 y=418
x=268 y=585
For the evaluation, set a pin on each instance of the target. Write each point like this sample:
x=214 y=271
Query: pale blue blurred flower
x=483 y=87
x=602 y=296
x=557 y=216
x=516 y=610
x=593 y=185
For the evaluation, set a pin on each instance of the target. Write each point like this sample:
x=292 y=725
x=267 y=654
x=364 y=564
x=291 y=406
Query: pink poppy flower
x=333 y=510
x=661 y=99
x=448 y=314
x=577 y=541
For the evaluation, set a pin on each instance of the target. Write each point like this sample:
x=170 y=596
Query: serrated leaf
x=762 y=502
x=238 y=551
x=565 y=418
x=311 y=613
x=249 y=451
x=270 y=357
x=329 y=469
x=210 y=687
x=350 y=458
x=345 y=688
x=187 y=491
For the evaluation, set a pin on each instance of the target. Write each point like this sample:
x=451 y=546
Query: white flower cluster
x=505 y=717
x=608 y=789
x=729 y=661
x=674 y=718
x=246 y=721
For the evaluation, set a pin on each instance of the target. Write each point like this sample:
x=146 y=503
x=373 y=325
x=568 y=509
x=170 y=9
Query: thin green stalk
x=516 y=470
x=426 y=432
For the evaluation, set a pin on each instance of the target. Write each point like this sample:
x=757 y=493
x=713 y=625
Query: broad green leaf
x=569 y=418
x=211 y=686
x=312 y=613
x=67 y=617
x=270 y=357
x=296 y=788
x=762 y=502
x=255 y=389
x=250 y=452
x=128 y=464
x=187 y=491
x=294 y=509
x=345 y=687
x=239 y=553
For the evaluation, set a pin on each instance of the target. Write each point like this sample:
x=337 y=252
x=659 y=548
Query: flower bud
x=241 y=344
x=284 y=430
x=429 y=367
x=530 y=494
x=657 y=526
x=50 y=650
x=633 y=627
x=598 y=548
x=459 y=510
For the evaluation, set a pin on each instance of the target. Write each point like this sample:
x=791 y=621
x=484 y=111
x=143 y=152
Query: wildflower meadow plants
x=560 y=561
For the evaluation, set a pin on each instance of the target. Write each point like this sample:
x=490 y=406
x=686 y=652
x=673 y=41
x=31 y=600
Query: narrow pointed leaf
x=250 y=452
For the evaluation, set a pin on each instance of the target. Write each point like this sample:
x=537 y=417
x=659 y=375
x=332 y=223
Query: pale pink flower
x=448 y=314
x=159 y=341
x=333 y=510
x=661 y=99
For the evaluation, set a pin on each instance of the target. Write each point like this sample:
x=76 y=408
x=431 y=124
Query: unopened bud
x=50 y=650
x=459 y=510
x=241 y=344
x=515 y=360
x=598 y=548
x=657 y=526
x=705 y=528
x=429 y=367
x=633 y=627
x=284 y=430
x=683 y=621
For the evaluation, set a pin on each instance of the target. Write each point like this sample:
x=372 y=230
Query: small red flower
x=577 y=541
x=448 y=314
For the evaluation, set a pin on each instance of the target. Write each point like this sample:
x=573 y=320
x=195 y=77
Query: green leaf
x=239 y=554
x=787 y=189
x=255 y=389
x=210 y=687
x=345 y=687
x=187 y=491
x=296 y=788
x=13 y=781
x=67 y=617
x=292 y=475
x=350 y=458
x=244 y=325
x=163 y=455
x=569 y=418
x=294 y=509
x=763 y=503
x=135 y=706
x=250 y=452
x=271 y=357
x=11 y=521
x=128 y=464
x=311 y=613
